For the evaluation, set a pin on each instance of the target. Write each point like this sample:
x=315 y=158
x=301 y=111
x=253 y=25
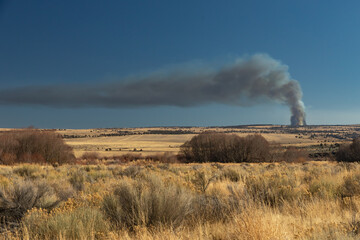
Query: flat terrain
x=158 y=140
x=148 y=141
x=312 y=200
x=149 y=198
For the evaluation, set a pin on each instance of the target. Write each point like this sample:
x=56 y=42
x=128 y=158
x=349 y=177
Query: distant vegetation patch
x=220 y=147
x=349 y=152
x=34 y=146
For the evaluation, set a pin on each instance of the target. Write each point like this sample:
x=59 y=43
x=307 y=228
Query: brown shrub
x=147 y=203
x=351 y=186
x=295 y=155
x=33 y=146
x=90 y=156
x=349 y=152
x=163 y=158
x=129 y=157
x=220 y=147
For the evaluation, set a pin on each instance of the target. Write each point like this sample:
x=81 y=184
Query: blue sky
x=85 y=42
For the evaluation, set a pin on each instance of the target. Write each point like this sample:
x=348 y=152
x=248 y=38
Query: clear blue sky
x=59 y=42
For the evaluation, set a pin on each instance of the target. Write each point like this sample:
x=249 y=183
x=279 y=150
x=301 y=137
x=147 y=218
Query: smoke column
x=247 y=81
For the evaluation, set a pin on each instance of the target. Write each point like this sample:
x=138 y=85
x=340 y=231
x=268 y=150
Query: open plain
x=98 y=196
x=159 y=140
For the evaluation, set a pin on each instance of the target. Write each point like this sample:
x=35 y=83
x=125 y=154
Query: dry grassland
x=150 y=142
x=152 y=200
x=143 y=200
x=147 y=144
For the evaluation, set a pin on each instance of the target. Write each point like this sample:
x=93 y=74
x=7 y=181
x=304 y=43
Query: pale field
x=156 y=143
x=150 y=144
x=93 y=140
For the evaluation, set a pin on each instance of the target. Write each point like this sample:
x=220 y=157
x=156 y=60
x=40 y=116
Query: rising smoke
x=247 y=81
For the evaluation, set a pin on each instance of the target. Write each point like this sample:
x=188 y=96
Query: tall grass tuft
x=147 y=203
x=81 y=223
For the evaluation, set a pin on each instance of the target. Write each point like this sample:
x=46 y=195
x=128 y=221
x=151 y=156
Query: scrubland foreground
x=144 y=200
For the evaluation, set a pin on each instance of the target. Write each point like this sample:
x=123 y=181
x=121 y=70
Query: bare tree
x=33 y=145
x=349 y=152
x=220 y=147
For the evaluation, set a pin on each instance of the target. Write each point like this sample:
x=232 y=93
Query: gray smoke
x=249 y=80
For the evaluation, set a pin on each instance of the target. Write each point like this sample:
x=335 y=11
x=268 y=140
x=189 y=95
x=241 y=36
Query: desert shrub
x=80 y=223
x=348 y=166
x=349 y=152
x=28 y=171
x=351 y=186
x=323 y=189
x=131 y=171
x=23 y=196
x=210 y=208
x=147 y=203
x=230 y=174
x=218 y=206
x=129 y=157
x=90 y=156
x=201 y=180
x=63 y=189
x=99 y=174
x=220 y=147
x=34 y=146
x=8 y=158
x=272 y=190
x=294 y=155
x=163 y=158
x=77 y=179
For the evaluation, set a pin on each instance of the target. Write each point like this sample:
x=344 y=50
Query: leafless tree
x=221 y=147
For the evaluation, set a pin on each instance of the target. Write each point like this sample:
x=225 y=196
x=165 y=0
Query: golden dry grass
x=313 y=200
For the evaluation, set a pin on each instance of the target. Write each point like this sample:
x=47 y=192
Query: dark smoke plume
x=247 y=81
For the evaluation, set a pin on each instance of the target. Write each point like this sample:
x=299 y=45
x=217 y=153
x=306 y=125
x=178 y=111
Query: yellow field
x=148 y=141
x=92 y=140
x=144 y=200
x=144 y=144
